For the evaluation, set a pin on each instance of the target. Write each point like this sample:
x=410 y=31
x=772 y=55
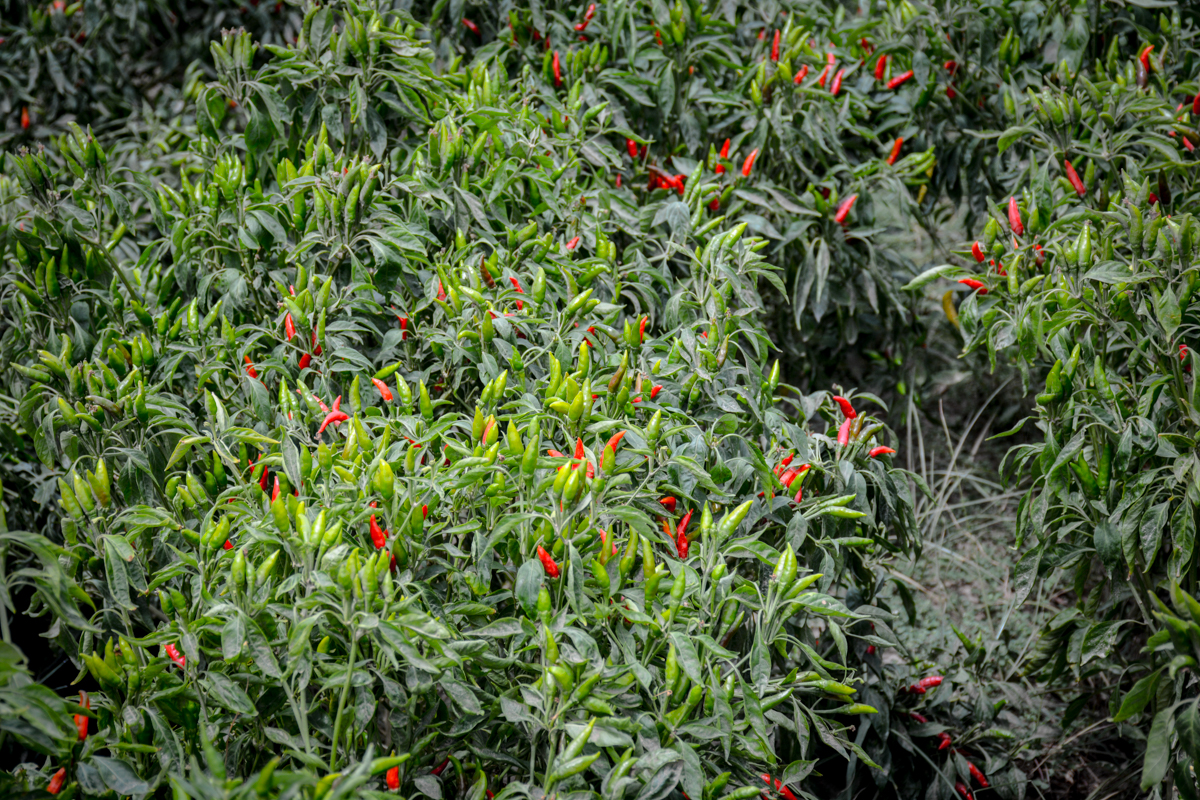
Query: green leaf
x=1158 y=749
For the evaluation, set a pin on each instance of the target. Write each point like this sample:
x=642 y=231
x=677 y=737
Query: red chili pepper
x=931 y=682
x=250 y=370
x=870 y=649
x=775 y=46
x=1187 y=144
x=725 y=147
x=847 y=410
x=918 y=717
x=1073 y=177
x=317 y=348
x=951 y=66
x=440 y=768
x=393 y=778
x=557 y=70
x=880 y=451
x=961 y=788
x=749 y=163
x=547 y=562
x=951 y=93
x=681 y=530
x=1145 y=57
x=571 y=245
x=844 y=432
x=1152 y=199
x=668 y=503
x=829 y=58
x=618 y=180
x=866 y=45
x=333 y=418
x=1014 y=217
x=1196 y=104
x=843 y=210
x=783 y=463
x=681 y=545
x=971 y=283
x=337 y=404
x=837 y=82
x=784 y=791
x=579 y=453
x=899 y=80
x=591 y=12
x=305 y=360
x=81 y=726
x=471 y=26
x=943 y=740
x=896 y=145
x=174 y=654
x=378 y=534
x=289 y=327
x=384 y=391
x=56 y=781
x=655 y=390
x=228 y=544
x=823 y=77
x=275 y=490
x=642 y=330
x=24 y=118
x=615 y=440
x=977 y=774
x=800 y=75
x=880 y=67
x=632 y=147
x=263 y=480
x=977 y=251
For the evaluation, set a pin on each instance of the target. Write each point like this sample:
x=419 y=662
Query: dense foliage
x=454 y=401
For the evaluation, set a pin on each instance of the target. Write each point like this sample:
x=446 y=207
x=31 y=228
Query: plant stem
x=337 y=722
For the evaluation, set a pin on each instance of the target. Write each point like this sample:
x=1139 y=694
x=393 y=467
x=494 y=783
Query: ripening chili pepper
x=843 y=438
x=289 y=327
x=977 y=252
x=843 y=210
x=332 y=418
x=176 y=656
x=632 y=147
x=749 y=163
x=275 y=489
x=440 y=768
x=393 y=778
x=441 y=295
x=784 y=791
x=775 y=46
x=847 y=410
x=1073 y=177
x=378 y=534
x=384 y=391
x=943 y=740
x=880 y=451
x=547 y=562
x=571 y=245
x=668 y=503
x=1145 y=57
x=800 y=75
x=918 y=717
x=896 y=145
x=25 y=118
x=880 y=67
x=837 y=82
x=557 y=70
x=900 y=80
x=250 y=370
x=56 y=781
x=977 y=774
x=823 y=77
x=471 y=26
x=971 y=283
x=1014 y=217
